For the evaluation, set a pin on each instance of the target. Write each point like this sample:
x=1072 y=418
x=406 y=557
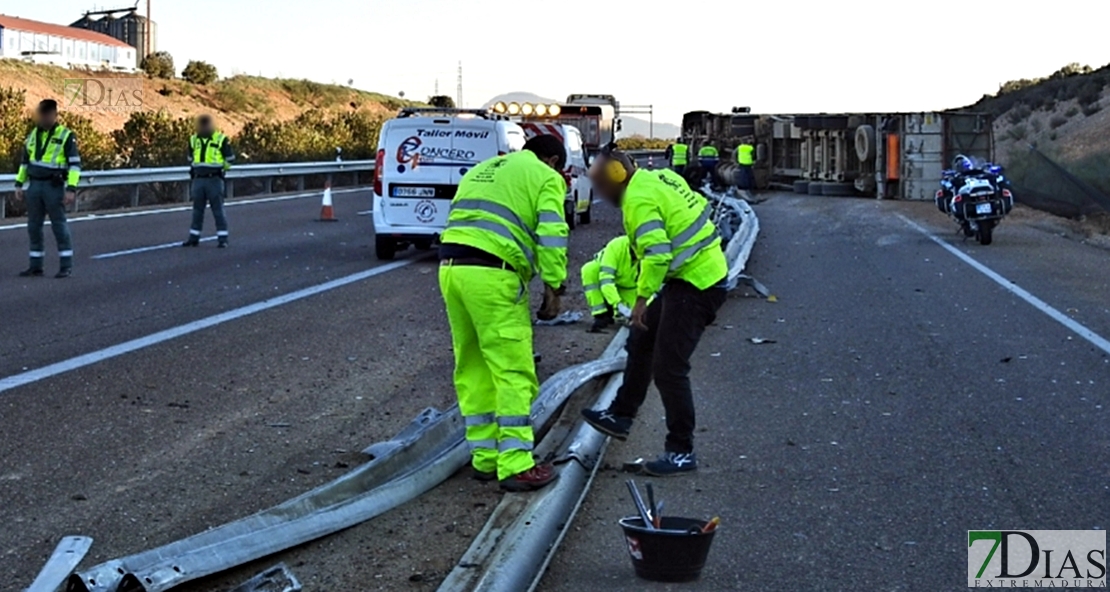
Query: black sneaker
x=63 y=274
x=31 y=273
x=222 y=243
x=192 y=241
x=672 y=463
x=483 y=476
x=607 y=423
x=601 y=323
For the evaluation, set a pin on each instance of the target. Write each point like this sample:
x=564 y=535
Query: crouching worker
x=506 y=220
x=609 y=280
x=679 y=251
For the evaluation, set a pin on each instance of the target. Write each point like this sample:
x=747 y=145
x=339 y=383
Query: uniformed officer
x=52 y=165
x=211 y=155
x=506 y=221
x=679 y=152
x=745 y=161
x=609 y=281
x=679 y=250
x=707 y=157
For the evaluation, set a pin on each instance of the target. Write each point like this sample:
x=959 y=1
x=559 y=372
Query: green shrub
x=159 y=65
x=1071 y=112
x=642 y=143
x=442 y=102
x=1091 y=109
x=153 y=139
x=13 y=127
x=98 y=150
x=314 y=135
x=1036 y=125
x=1019 y=113
x=199 y=72
x=1057 y=121
x=1018 y=132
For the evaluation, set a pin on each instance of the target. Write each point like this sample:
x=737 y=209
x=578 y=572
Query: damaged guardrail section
x=513 y=550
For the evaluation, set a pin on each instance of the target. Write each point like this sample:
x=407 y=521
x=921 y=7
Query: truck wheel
x=838 y=189
x=815 y=188
x=568 y=213
x=385 y=248
x=865 y=143
x=801 y=187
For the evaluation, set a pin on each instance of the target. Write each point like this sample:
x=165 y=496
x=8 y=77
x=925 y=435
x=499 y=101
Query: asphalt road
x=902 y=399
x=906 y=399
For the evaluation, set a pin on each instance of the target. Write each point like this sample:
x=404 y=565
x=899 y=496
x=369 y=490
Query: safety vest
x=47 y=150
x=617 y=271
x=745 y=154
x=707 y=151
x=512 y=207
x=209 y=152
x=672 y=233
x=678 y=154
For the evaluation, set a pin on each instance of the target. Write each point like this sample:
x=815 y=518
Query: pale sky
x=777 y=57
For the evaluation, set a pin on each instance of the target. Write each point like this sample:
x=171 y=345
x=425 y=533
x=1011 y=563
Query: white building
x=38 y=42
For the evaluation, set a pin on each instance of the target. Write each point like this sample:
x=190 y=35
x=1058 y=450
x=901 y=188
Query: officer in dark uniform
x=211 y=156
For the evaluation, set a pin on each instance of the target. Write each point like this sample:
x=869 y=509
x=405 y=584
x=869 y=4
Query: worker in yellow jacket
x=609 y=280
x=506 y=223
x=679 y=251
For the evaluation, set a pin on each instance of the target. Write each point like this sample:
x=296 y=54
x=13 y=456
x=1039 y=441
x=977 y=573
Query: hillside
x=232 y=101
x=632 y=126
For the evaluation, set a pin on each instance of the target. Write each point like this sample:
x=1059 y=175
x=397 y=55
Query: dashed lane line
x=32 y=376
x=145 y=249
x=1073 y=325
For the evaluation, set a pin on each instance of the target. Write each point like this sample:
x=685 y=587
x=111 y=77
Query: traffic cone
x=327 y=213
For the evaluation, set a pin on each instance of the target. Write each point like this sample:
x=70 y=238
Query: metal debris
x=276 y=579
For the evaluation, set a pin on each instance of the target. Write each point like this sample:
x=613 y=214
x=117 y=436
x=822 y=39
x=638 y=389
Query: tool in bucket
x=665 y=549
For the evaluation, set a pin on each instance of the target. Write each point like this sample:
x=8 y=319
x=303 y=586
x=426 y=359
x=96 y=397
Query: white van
x=580 y=192
x=422 y=155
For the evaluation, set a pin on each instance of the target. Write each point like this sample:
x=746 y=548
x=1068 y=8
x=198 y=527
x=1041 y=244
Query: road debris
x=567 y=317
x=761 y=341
x=276 y=579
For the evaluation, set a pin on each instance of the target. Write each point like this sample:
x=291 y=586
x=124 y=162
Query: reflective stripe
x=692 y=230
x=65 y=253
x=37 y=254
x=74 y=160
x=496 y=229
x=221 y=233
x=607 y=282
x=660 y=249
x=479 y=420
x=513 y=444
x=551 y=218
x=609 y=270
x=482 y=444
x=51 y=165
x=498 y=210
x=194 y=232
x=590 y=287
x=553 y=242
x=647 y=227
x=514 y=421
x=692 y=250
x=599 y=309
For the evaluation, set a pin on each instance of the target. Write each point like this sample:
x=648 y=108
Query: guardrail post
x=300 y=183
x=229 y=188
x=269 y=184
x=134 y=196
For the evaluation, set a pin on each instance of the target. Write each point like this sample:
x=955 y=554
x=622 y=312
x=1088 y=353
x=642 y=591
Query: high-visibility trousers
x=591 y=285
x=495 y=374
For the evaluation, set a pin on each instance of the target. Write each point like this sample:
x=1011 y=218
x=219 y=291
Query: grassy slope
x=233 y=101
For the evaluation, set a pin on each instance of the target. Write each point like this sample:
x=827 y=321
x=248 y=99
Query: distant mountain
x=632 y=126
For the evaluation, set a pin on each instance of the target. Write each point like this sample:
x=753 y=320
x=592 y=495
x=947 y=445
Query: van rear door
x=473 y=140
x=417 y=188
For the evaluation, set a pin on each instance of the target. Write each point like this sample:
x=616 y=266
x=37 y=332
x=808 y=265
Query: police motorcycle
x=976 y=195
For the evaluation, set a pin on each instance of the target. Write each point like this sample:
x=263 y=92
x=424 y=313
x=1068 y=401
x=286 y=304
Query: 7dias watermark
x=103 y=94
x=1036 y=559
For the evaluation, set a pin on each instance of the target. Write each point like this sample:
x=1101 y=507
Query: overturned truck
x=887 y=155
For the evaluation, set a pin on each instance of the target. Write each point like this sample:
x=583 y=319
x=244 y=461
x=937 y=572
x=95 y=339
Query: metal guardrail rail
x=117 y=177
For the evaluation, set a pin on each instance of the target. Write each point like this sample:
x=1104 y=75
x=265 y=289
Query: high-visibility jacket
x=212 y=153
x=617 y=273
x=708 y=151
x=671 y=233
x=48 y=154
x=512 y=207
x=674 y=177
x=679 y=154
x=745 y=154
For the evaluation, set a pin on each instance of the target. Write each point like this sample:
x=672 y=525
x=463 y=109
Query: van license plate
x=983 y=208
x=414 y=192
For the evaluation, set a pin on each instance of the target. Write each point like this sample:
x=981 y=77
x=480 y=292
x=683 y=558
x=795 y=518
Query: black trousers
x=676 y=321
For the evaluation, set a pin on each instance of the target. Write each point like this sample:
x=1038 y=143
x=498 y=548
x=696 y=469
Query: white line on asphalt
x=1096 y=339
x=365 y=212
x=18 y=380
x=146 y=249
x=240 y=202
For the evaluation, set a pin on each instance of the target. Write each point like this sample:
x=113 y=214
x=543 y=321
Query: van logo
x=425 y=211
x=409 y=150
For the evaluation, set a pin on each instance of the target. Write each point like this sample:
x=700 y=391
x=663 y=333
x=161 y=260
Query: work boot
x=221 y=243
x=602 y=322
x=192 y=241
x=484 y=476
x=670 y=464
x=32 y=272
x=535 y=478
x=607 y=423
x=63 y=273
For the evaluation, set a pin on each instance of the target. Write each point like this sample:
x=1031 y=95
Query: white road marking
x=189 y=208
x=25 y=378
x=1095 y=339
x=365 y=212
x=146 y=249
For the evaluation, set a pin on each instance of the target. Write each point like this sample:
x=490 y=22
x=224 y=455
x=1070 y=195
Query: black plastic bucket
x=670 y=554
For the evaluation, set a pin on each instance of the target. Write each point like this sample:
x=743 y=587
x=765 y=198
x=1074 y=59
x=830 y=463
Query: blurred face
x=47 y=119
x=608 y=190
x=205 y=128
